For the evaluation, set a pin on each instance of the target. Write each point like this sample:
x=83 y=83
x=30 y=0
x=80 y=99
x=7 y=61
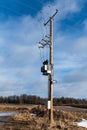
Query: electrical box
x=46 y=69
x=49 y=69
x=48 y=104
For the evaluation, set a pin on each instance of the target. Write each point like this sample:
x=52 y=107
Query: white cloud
x=24 y=54
x=76 y=76
x=70 y=59
x=66 y=61
x=65 y=8
x=20 y=56
x=76 y=90
x=81 y=44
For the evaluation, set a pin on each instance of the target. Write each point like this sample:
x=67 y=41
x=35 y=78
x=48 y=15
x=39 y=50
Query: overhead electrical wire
x=41 y=58
x=34 y=9
x=42 y=18
x=7 y=8
x=41 y=2
x=25 y=4
x=19 y=13
x=41 y=23
x=41 y=28
x=45 y=50
x=20 y=3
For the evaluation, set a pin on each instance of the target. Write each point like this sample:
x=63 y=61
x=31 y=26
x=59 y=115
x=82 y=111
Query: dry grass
x=25 y=121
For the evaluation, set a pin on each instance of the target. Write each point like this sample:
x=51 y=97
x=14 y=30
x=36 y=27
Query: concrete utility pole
x=50 y=91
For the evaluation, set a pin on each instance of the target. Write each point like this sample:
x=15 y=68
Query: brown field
x=24 y=120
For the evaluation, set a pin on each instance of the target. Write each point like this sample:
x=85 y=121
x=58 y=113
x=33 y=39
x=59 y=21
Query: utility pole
x=47 y=68
x=50 y=91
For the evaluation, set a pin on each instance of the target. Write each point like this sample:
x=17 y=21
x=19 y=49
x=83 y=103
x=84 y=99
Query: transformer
x=46 y=68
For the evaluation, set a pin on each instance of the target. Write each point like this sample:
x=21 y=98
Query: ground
x=31 y=117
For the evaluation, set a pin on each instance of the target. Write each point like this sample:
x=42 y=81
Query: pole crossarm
x=51 y=17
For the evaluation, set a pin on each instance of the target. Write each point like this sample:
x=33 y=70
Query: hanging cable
x=41 y=55
x=50 y=9
x=42 y=16
x=39 y=20
x=20 y=3
x=41 y=28
x=25 y=4
x=43 y=20
x=47 y=52
x=41 y=2
x=7 y=8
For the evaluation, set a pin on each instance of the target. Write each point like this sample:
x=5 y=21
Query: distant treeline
x=22 y=99
x=30 y=99
x=81 y=103
x=69 y=101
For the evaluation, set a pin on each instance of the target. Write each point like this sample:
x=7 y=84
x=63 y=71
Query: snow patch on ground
x=83 y=123
x=7 y=113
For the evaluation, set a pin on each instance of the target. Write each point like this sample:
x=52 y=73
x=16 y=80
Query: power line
x=50 y=9
x=25 y=4
x=7 y=8
x=19 y=13
x=41 y=2
x=41 y=58
x=41 y=28
x=20 y=3
x=42 y=15
x=43 y=21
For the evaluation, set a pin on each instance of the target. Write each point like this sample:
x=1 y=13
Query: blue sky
x=21 y=29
